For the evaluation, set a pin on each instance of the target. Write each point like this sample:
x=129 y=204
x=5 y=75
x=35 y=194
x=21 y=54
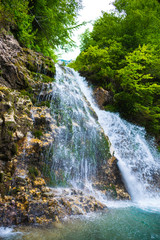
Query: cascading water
x=138 y=161
x=77 y=146
x=79 y=141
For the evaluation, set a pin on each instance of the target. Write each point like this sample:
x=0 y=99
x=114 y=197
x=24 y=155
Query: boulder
x=110 y=181
x=102 y=97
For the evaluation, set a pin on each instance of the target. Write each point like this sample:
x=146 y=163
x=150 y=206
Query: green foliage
x=54 y=22
x=140 y=91
x=122 y=54
x=42 y=24
x=95 y=64
x=16 y=15
x=135 y=75
x=110 y=108
x=86 y=40
x=140 y=22
x=106 y=28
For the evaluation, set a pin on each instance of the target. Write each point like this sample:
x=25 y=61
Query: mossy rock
x=33 y=172
x=48 y=67
x=43 y=103
x=42 y=77
x=37 y=133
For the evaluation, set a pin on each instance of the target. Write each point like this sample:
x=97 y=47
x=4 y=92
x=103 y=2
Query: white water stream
x=78 y=137
x=138 y=160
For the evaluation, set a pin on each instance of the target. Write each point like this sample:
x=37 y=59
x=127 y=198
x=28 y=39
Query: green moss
x=31 y=63
x=33 y=172
x=105 y=146
x=27 y=93
x=7 y=92
x=47 y=174
x=49 y=65
x=10 y=126
x=58 y=180
x=42 y=77
x=37 y=133
x=110 y=108
x=10 y=133
x=44 y=103
x=113 y=190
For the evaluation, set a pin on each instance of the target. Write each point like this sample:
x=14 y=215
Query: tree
x=16 y=16
x=95 y=64
x=106 y=28
x=86 y=40
x=141 y=20
x=140 y=91
x=54 y=22
x=42 y=24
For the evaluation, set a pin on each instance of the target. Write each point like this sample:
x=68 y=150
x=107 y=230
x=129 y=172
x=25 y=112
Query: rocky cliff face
x=26 y=134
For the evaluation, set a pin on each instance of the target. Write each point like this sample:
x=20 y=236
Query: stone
x=18 y=135
x=39 y=182
x=9 y=118
x=109 y=179
x=102 y=97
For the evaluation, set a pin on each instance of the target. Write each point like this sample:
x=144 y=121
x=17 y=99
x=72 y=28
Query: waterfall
x=77 y=146
x=79 y=142
x=138 y=160
x=139 y=165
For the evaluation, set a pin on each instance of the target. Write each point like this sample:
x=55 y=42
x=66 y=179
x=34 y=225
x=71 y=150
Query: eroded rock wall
x=22 y=75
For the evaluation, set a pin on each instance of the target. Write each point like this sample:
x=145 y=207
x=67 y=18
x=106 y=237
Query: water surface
x=124 y=223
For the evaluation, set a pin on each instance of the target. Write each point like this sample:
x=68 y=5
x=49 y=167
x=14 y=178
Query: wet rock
x=110 y=181
x=77 y=210
x=20 y=181
x=15 y=121
x=103 y=97
x=17 y=63
x=39 y=182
